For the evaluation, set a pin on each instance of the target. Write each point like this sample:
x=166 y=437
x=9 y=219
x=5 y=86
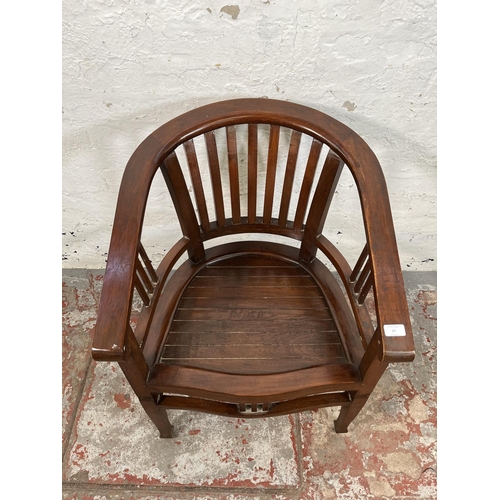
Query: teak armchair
x=253 y=328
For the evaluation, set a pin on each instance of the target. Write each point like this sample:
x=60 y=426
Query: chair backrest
x=236 y=204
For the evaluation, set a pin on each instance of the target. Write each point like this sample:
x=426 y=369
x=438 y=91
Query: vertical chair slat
x=143 y=276
x=305 y=190
x=272 y=159
x=291 y=163
x=234 y=183
x=147 y=262
x=366 y=288
x=140 y=289
x=176 y=184
x=327 y=183
x=213 y=163
x=252 y=172
x=359 y=264
x=199 y=194
x=362 y=277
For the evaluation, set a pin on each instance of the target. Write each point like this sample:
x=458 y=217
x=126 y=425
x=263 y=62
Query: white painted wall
x=130 y=66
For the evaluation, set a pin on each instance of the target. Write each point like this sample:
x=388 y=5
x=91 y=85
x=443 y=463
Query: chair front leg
x=158 y=415
x=349 y=412
x=136 y=371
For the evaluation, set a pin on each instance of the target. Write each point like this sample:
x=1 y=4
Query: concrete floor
x=111 y=450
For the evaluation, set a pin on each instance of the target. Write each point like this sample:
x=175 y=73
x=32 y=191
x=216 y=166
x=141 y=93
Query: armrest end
x=397 y=343
x=99 y=354
x=398 y=356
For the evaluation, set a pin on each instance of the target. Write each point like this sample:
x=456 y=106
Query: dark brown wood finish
x=252 y=172
x=289 y=176
x=232 y=154
x=213 y=161
x=327 y=184
x=176 y=183
x=199 y=194
x=252 y=328
x=305 y=190
x=271 y=173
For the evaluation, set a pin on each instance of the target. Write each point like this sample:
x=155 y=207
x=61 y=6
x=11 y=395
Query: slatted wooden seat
x=253 y=315
x=253 y=327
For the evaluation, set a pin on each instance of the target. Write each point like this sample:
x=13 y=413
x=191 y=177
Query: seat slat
x=249 y=281
x=201 y=315
x=254 y=272
x=252 y=261
x=263 y=303
x=298 y=325
x=311 y=353
x=205 y=289
x=303 y=337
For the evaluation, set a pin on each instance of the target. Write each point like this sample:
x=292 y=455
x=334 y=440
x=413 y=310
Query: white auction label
x=394 y=330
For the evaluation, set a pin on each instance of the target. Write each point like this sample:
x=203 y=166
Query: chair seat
x=253 y=315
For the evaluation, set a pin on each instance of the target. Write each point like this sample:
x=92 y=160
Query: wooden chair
x=252 y=327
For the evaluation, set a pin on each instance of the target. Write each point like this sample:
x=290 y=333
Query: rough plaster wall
x=130 y=66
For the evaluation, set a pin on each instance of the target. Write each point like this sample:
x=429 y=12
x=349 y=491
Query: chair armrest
x=394 y=333
x=118 y=287
x=114 y=310
x=388 y=286
x=394 y=326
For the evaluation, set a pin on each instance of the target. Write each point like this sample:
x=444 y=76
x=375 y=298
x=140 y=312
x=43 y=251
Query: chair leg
x=348 y=413
x=135 y=369
x=158 y=416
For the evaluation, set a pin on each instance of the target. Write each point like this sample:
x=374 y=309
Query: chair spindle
x=147 y=262
x=213 y=163
x=234 y=183
x=272 y=160
x=307 y=182
x=293 y=152
x=176 y=184
x=194 y=171
x=252 y=172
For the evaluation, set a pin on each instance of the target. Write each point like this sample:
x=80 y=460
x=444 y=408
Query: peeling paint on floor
x=115 y=443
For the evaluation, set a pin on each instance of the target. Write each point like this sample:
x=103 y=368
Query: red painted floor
x=111 y=450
